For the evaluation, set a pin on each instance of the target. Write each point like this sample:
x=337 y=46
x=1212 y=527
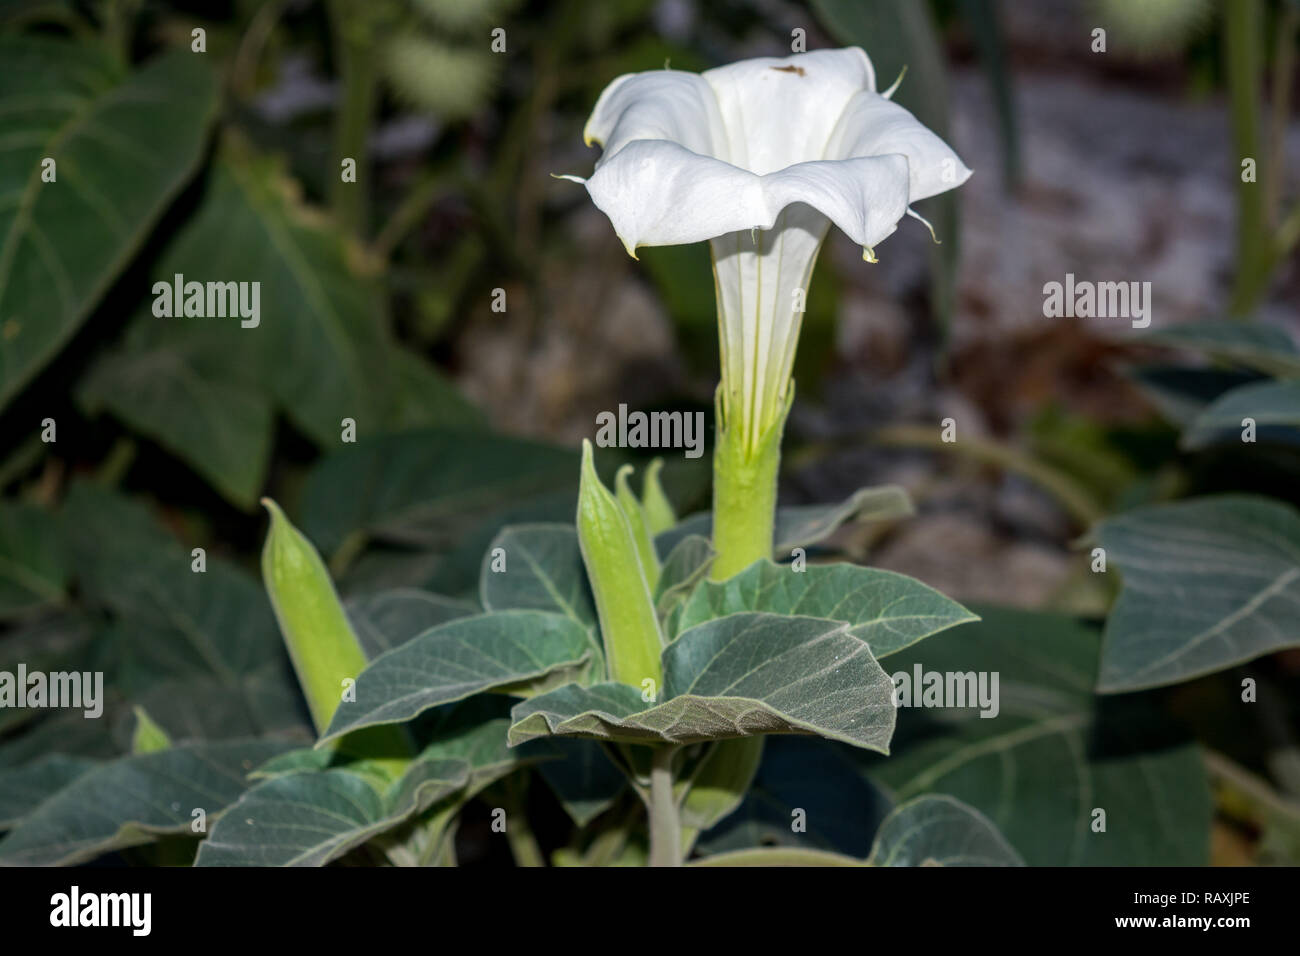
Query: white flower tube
x=759 y=157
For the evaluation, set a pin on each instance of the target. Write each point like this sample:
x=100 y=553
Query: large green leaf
x=308 y=819
x=388 y=619
x=813 y=783
x=205 y=387
x=1055 y=753
x=1265 y=348
x=61 y=641
x=543 y=572
x=889 y=611
x=511 y=651
x=936 y=830
x=583 y=779
x=1207 y=583
x=735 y=676
x=799 y=526
x=1181 y=392
x=24 y=788
x=220 y=427
x=1273 y=406
x=316 y=804
x=33 y=570
x=927 y=831
x=200 y=651
x=132 y=800
x=123 y=144
x=425 y=488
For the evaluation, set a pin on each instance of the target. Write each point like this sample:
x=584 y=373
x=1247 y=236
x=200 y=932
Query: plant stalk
x=1243 y=41
x=359 y=78
x=744 y=493
x=665 y=823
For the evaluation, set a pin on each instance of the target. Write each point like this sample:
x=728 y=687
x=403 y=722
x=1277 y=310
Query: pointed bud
x=628 y=625
x=659 y=514
x=636 y=520
x=321 y=643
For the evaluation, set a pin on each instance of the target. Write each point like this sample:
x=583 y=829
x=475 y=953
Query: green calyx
x=744 y=492
x=619 y=582
x=319 y=637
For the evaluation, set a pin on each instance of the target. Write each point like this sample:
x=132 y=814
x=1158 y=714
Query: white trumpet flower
x=760 y=157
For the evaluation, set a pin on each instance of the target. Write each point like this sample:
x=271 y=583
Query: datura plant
x=631 y=661
x=759 y=158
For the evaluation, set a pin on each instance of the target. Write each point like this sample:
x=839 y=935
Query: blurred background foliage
x=377 y=306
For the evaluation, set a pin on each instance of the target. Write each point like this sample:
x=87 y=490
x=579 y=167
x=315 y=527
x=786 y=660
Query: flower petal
x=657 y=193
x=873 y=126
x=667 y=105
x=778 y=112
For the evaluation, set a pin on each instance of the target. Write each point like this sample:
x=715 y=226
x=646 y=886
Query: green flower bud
x=636 y=518
x=659 y=514
x=322 y=645
x=628 y=623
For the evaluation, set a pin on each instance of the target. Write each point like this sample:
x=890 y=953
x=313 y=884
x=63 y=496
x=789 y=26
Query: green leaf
x=719 y=785
x=390 y=618
x=199 y=651
x=123 y=145
x=800 y=526
x=778 y=856
x=1274 y=407
x=842 y=811
x=33 y=568
x=62 y=641
x=1207 y=583
x=515 y=652
x=423 y=397
x=735 y=676
x=24 y=788
x=940 y=831
x=133 y=800
x=425 y=488
x=543 y=572
x=1054 y=752
x=686 y=565
x=886 y=610
x=222 y=429
x=1265 y=348
x=583 y=779
x=308 y=819
x=1180 y=393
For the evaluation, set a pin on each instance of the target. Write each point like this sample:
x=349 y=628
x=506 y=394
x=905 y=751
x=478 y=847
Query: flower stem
x=744 y=494
x=665 y=824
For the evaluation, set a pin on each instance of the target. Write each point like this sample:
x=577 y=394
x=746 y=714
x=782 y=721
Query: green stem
x=744 y=493
x=359 y=76
x=523 y=844
x=665 y=823
x=1280 y=107
x=1243 y=56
